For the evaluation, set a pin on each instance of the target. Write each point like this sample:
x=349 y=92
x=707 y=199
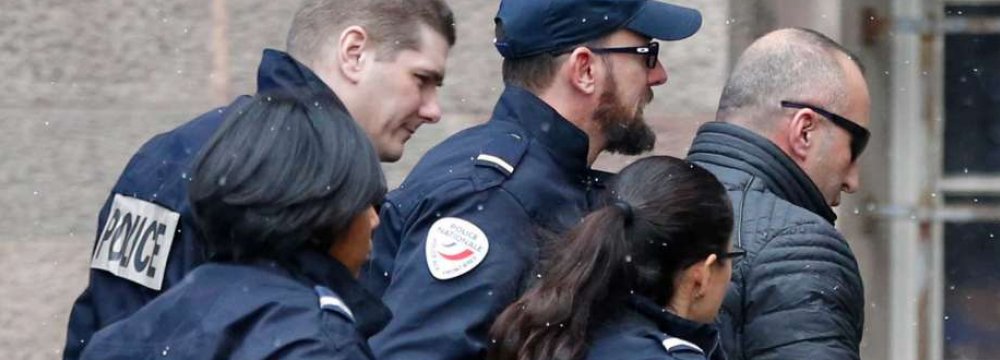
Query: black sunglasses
x=650 y=51
x=735 y=254
x=859 y=135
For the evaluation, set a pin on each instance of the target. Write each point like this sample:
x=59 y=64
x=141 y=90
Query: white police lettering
x=454 y=247
x=135 y=241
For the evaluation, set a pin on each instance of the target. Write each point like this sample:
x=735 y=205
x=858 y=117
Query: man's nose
x=853 y=180
x=657 y=75
x=430 y=110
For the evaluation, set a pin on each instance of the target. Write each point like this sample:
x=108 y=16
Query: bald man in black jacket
x=792 y=122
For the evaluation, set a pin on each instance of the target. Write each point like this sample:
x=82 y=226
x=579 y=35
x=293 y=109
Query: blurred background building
x=87 y=82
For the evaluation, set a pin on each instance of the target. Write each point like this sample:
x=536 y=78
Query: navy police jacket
x=460 y=237
x=307 y=308
x=147 y=240
x=644 y=330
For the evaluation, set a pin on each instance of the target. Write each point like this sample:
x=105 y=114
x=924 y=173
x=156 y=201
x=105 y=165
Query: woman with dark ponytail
x=641 y=278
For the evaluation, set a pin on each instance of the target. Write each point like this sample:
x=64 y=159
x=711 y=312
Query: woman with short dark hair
x=641 y=278
x=284 y=195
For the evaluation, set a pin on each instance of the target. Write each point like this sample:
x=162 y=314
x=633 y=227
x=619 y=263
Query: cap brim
x=659 y=20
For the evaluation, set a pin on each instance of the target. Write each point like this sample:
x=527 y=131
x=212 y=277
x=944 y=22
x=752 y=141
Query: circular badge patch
x=454 y=247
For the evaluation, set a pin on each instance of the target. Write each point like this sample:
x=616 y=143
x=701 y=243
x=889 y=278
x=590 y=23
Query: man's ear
x=583 y=70
x=802 y=133
x=351 y=54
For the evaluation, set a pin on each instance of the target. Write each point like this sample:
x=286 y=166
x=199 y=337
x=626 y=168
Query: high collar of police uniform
x=566 y=142
x=315 y=268
x=281 y=74
x=732 y=146
x=706 y=336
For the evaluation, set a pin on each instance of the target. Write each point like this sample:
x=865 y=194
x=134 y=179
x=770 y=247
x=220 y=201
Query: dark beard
x=626 y=135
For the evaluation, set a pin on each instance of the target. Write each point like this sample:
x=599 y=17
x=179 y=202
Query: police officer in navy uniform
x=385 y=66
x=284 y=193
x=641 y=278
x=460 y=237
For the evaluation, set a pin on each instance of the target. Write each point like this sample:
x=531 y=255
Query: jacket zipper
x=739 y=242
x=743 y=201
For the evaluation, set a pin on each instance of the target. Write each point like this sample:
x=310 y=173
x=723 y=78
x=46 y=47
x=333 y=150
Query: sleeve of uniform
x=804 y=298
x=150 y=177
x=294 y=330
x=82 y=320
x=319 y=350
x=108 y=298
x=445 y=313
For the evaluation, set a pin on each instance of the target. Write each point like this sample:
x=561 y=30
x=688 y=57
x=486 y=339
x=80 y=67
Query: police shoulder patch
x=454 y=247
x=135 y=241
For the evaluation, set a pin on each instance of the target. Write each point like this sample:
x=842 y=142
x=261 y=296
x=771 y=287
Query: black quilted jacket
x=798 y=293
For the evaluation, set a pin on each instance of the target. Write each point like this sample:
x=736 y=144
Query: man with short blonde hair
x=381 y=61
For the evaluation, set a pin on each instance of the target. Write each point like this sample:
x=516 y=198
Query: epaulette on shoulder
x=503 y=153
x=676 y=345
x=329 y=301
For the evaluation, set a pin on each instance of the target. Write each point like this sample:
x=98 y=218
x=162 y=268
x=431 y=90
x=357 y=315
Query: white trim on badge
x=135 y=241
x=496 y=161
x=454 y=247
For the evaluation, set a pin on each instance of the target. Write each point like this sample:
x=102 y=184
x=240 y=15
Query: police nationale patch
x=135 y=241
x=454 y=247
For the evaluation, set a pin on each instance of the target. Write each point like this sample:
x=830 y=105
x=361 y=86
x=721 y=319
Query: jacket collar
x=280 y=74
x=566 y=142
x=706 y=336
x=732 y=146
x=314 y=268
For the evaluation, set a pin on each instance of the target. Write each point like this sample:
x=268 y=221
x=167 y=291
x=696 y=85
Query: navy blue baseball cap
x=532 y=27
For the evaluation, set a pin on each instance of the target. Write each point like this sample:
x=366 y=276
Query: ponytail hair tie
x=626 y=209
